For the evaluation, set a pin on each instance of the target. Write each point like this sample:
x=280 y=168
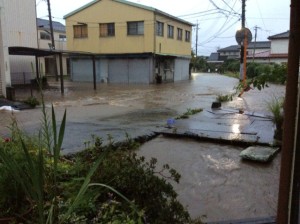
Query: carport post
x=61 y=75
x=37 y=68
x=94 y=72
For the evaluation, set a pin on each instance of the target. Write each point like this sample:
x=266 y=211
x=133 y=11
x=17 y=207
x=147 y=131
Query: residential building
x=254 y=49
x=17 y=28
x=45 y=42
x=279 y=47
x=132 y=43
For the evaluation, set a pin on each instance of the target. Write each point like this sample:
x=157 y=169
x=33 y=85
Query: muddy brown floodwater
x=215 y=183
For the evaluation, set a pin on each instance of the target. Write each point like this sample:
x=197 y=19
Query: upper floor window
x=179 y=34
x=80 y=31
x=45 y=36
x=107 y=29
x=159 y=28
x=62 y=37
x=187 y=36
x=170 y=31
x=135 y=28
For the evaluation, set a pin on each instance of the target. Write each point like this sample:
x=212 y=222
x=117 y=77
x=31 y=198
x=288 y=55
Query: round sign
x=242 y=34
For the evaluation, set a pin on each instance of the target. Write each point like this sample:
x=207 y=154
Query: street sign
x=242 y=34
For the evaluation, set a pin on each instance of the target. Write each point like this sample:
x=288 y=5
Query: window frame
x=108 y=29
x=159 y=28
x=83 y=28
x=135 y=28
x=188 y=36
x=45 y=36
x=179 y=34
x=170 y=31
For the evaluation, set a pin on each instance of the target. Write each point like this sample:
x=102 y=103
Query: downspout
x=154 y=46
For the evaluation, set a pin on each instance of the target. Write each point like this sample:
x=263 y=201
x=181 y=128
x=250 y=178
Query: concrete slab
x=226 y=124
x=259 y=153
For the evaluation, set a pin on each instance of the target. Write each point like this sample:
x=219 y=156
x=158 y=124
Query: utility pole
x=255 y=35
x=197 y=28
x=243 y=19
x=51 y=26
x=52 y=40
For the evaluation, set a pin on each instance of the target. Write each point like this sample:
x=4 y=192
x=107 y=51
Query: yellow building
x=127 y=38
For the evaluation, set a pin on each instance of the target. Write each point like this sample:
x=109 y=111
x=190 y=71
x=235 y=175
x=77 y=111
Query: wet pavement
x=226 y=125
x=216 y=184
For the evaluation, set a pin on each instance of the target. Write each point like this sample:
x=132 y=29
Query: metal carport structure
x=27 y=51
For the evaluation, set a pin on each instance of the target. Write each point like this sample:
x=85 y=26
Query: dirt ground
x=215 y=184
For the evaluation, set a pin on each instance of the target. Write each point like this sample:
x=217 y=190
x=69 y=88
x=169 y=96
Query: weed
x=188 y=113
x=224 y=98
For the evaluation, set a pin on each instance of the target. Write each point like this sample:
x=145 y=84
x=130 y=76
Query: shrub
x=32 y=101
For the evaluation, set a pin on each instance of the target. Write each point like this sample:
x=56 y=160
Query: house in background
x=44 y=42
x=258 y=50
x=132 y=43
x=279 y=47
x=17 y=28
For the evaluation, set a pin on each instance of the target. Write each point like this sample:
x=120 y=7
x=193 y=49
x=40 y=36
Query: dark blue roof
x=57 y=26
x=284 y=35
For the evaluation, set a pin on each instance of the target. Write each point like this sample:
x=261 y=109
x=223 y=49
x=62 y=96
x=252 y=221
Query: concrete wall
x=18 y=28
x=279 y=46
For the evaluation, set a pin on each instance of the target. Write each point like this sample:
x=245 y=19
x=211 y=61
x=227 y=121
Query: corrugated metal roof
x=148 y=8
x=284 y=35
x=45 y=24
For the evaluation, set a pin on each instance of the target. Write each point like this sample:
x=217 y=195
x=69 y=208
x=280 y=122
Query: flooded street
x=216 y=184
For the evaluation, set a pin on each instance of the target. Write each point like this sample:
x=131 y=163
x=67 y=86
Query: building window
x=107 y=29
x=170 y=31
x=159 y=29
x=62 y=37
x=187 y=36
x=179 y=34
x=80 y=31
x=45 y=36
x=135 y=28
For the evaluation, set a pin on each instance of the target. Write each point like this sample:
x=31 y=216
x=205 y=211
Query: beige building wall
x=167 y=45
x=109 y=11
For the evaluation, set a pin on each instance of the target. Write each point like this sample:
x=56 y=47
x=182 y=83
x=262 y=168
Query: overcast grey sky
x=218 y=19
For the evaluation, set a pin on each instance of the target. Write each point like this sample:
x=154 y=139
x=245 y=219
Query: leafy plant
x=276 y=108
x=32 y=101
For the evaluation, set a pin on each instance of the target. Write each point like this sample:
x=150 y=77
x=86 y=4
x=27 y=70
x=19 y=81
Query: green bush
x=99 y=185
x=140 y=181
x=32 y=101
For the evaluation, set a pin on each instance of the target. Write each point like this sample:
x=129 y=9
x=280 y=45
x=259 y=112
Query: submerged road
x=216 y=184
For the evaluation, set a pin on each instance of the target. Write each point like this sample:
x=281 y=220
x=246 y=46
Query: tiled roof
x=44 y=24
x=148 y=8
x=258 y=45
x=284 y=35
x=264 y=54
x=230 y=48
x=213 y=57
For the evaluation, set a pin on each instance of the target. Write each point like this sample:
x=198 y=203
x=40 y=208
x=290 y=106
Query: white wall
x=18 y=28
x=279 y=46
